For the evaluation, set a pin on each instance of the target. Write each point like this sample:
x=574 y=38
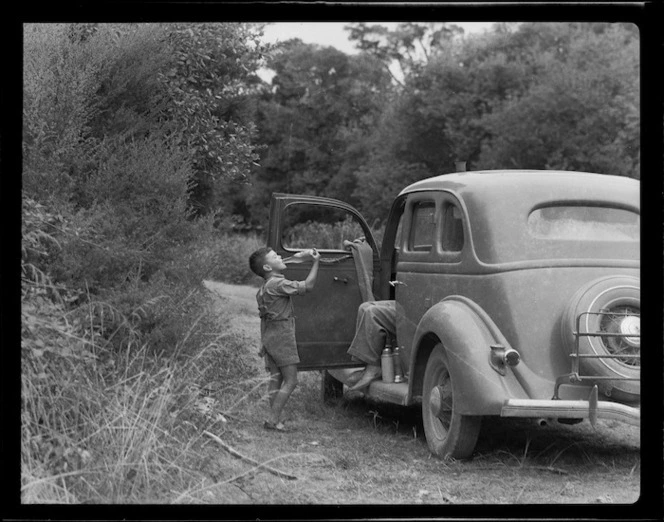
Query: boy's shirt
x=275 y=307
x=274 y=297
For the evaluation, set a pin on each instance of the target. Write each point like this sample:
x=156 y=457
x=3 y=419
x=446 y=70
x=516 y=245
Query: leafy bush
x=60 y=79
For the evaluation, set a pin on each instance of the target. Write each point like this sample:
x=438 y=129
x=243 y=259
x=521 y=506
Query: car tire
x=617 y=294
x=448 y=433
x=330 y=388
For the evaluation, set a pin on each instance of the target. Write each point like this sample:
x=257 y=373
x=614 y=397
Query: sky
x=332 y=33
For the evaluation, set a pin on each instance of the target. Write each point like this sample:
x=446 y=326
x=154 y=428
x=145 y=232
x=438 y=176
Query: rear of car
x=550 y=262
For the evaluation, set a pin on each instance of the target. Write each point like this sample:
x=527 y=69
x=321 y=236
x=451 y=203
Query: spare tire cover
x=614 y=304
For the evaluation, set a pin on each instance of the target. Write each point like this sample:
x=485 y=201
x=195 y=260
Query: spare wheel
x=614 y=304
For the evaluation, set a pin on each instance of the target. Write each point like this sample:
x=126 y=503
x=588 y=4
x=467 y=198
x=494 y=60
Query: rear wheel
x=448 y=432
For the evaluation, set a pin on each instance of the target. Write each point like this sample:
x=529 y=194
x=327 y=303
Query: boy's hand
x=310 y=281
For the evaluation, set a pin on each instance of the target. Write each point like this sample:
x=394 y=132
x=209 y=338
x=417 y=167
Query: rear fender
x=467 y=333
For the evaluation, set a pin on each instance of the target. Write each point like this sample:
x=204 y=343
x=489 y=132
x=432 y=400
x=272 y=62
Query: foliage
x=109 y=387
x=60 y=80
x=112 y=303
x=381 y=180
x=543 y=96
x=410 y=44
x=224 y=255
x=589 y=110
x=119 y=429
x=208 y=82
x=131 y=99
x=314 y=122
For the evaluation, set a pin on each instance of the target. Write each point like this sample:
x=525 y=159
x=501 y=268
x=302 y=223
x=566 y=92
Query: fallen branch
x=247 y=459
x=549 y=468
x=542 y=468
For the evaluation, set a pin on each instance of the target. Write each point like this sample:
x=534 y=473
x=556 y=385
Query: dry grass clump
x=123 y=431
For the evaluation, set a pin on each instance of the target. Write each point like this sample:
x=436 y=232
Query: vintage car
x=517 y=295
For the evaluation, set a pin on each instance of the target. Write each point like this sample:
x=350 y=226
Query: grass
x=138 y=436
x=380 y=456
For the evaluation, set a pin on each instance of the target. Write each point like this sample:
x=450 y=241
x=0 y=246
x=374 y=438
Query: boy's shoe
x=279 y=426
x=371 y=373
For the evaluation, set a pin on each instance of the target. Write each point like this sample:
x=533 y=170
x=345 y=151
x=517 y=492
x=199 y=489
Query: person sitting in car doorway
x=375 y=321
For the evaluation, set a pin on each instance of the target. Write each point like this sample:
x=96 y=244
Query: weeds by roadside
x=114 y=387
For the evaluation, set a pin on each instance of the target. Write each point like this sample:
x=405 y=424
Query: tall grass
x=117 y=391
x=125 y=427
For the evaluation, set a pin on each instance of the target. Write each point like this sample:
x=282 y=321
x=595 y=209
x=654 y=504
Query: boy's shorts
x=280 y=348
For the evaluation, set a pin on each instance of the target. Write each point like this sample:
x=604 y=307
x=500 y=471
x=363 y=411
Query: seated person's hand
x=360 y=239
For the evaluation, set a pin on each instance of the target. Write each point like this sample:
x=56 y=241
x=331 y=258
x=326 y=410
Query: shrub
x=60 y=79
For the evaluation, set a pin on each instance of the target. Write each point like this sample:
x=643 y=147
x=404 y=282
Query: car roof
x=496 y=183
x=499 y=202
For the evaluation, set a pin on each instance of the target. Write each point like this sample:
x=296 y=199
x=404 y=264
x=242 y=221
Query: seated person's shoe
x=353 y=377
x=370 y=373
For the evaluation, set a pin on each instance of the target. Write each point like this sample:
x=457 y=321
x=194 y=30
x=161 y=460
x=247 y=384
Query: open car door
x=324 y=318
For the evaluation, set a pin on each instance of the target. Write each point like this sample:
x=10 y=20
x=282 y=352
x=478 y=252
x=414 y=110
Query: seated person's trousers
x=375 y=320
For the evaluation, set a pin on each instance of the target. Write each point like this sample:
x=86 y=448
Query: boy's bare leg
x=274 y=385
x=289 y=375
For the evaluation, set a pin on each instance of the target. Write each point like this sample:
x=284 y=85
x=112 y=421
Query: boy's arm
x=310 y=281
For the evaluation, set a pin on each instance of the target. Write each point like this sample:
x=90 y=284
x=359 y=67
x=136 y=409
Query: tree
x=314 y=120
x=410 y=45
x=531 y=96
x=210 y=79
x=581 y=112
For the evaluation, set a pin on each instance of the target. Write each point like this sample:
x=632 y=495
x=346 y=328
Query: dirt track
x=358 y=452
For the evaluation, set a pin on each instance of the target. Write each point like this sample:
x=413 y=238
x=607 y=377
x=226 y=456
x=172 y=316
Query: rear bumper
x=562 y=409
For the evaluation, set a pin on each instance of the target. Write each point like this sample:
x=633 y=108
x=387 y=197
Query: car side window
x=452 y=240
x=307 y=225
x=423 y=227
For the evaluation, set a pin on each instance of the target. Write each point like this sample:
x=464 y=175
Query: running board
x=393 y=392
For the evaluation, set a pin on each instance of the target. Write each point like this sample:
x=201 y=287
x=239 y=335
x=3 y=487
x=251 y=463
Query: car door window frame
x=356 y=216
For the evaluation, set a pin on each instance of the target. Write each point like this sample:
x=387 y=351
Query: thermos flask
x=387 y=364
x=398 y=370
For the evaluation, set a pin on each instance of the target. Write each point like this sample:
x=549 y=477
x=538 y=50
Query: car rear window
x=589 y=223
x=452 y=240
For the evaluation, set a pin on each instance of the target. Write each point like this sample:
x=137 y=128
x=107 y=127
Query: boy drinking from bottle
x=275 y=307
